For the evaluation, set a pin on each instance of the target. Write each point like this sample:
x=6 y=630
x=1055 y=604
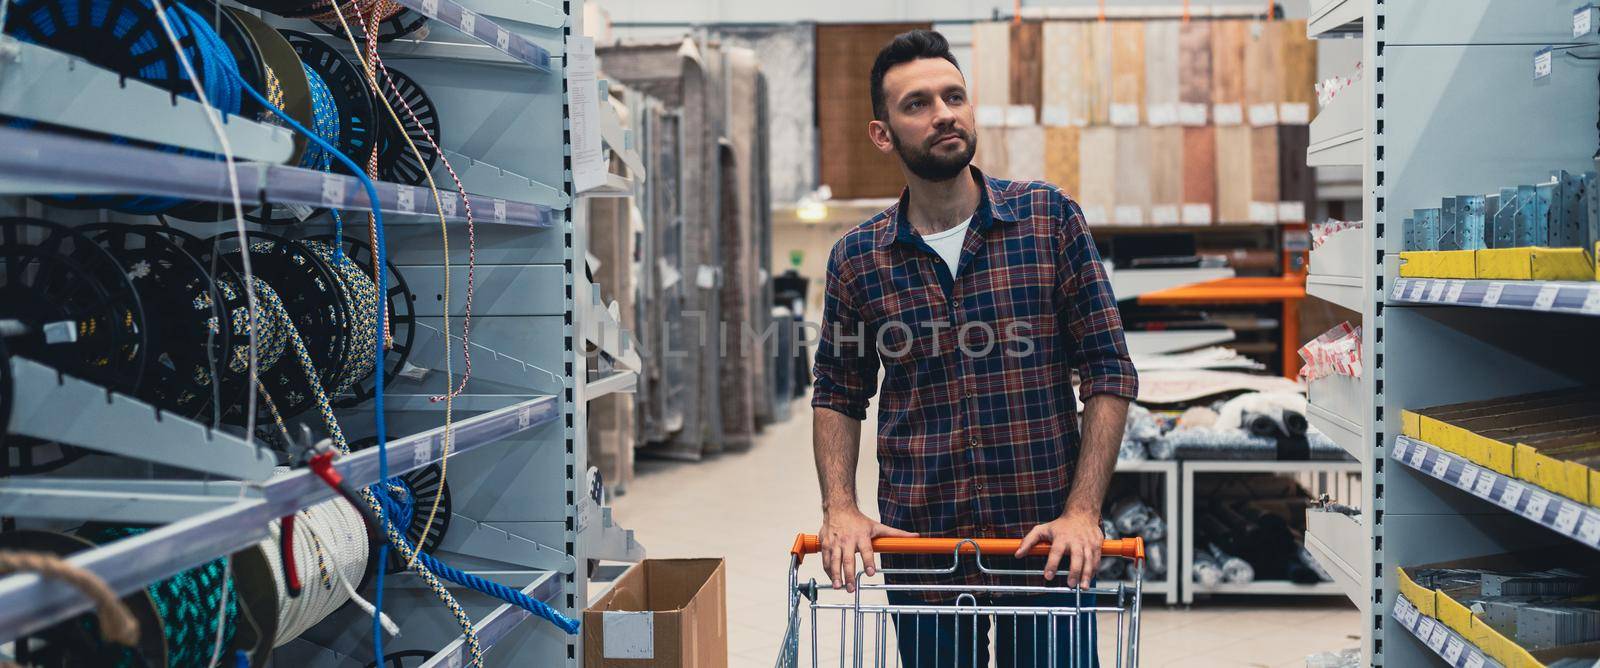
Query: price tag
x=1484 y=486
x=469 y=22
x=423 y=453
x=1453 y=649
x=1511 y=495
x=1591 y=301
x=1262 y=115
x=1567 y=518
x=1228 y=114
x=332 y=191
x=1162 y=114
x=1454 y=294
x=1437 y=638
x=1441 y=466
x=455 y=660
x=1124 y=115
x=1055 y=116
x=1437 y=292
x=1192 y=114
x=502 y=39
x=1541 y=63
x=1589 y=531
x=1469 y=475
x=1537 y=503
x=499 y=211
x=1417 y=455
x=1400 y=289
x=1294 y=113
x=1196 y=214
x=524 y=417
x=1546 y=298
x=1416 y=290
x=1291 y=212
x=1492 y=296
x=431 y=8
x=1400 y=449
x=1474 y=660
x=406 y=198
x=1405 y=613
x=1583 y=20
x=1424 y=628
x=447 y=205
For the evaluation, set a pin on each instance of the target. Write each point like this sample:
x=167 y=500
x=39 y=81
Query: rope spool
x=403 y=23
x=330 y=544
x=402 y=313
x=417 y=490
x=396 y=162
x=80 y=312
x=411 y=658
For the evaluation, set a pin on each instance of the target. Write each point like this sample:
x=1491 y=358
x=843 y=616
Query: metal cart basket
x=867 y=629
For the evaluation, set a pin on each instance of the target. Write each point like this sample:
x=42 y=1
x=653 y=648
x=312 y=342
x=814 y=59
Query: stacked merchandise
x=1549 y=439
x=1194 y=122
x=1545 y=231
x=1253 y=425
x=1243 y=533
x=1521 y=609
x=1129 y=516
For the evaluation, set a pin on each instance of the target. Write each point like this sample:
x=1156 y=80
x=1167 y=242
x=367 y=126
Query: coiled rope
x=187 y=604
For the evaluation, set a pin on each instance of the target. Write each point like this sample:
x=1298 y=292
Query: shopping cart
x=866 y=629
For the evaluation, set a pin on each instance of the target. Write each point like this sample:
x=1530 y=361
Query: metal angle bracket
x=41 y=84
x=57 y=407
x=469 y=536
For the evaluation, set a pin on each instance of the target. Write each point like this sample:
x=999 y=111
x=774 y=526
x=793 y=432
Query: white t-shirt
x=948 y=244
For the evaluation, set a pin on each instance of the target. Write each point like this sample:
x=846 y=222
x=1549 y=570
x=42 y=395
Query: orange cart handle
x=804 y=544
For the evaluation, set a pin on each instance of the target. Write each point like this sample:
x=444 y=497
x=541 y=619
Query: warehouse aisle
x=748 y=506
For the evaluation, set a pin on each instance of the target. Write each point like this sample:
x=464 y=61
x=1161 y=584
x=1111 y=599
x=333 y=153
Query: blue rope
x=401 y=507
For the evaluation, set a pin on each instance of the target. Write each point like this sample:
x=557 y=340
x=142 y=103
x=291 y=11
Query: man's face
x=930 y=120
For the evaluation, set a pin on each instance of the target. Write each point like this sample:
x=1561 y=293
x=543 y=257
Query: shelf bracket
x=469 y=536
x=43 y=498
x=57 y=407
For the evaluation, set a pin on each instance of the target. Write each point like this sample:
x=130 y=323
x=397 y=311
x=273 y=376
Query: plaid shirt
x=973 y=442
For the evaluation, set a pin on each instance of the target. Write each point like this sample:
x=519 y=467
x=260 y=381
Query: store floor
x=747 y=507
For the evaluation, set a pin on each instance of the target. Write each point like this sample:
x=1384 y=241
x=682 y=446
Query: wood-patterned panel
x=989 y=72
x=992 y=156
x=1227 y=62
x=1097 y=172
x=1194 y=54
x=1066 y=81
x=1127 y=70
x=1233 y=174
x=1162 y=49
x=1025 y=153
x=1263 y=63
x=1299 y=65
x=851 y=166
x=1131 y=205
x=1264 y=166
x=1027 y=64
x=1097 y=70
x=1294 y=177
x=1200 y=168
x=1165 y=167
x=1061 y=158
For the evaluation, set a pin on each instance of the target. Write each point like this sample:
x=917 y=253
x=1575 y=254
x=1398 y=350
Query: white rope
x=330 y=552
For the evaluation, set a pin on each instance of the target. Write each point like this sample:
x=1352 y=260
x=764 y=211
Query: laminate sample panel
x=1131 y=203
x=1194 y=64
x=1233 y=174
x=1294 y=177
x=1097 y=70
x=1097 y=167
x=992 y=156
x=1127 y=72
x=1263 y=63
x=850 y=165
x=1165 y=169
x=1162 y=49
x=1025 y=153
x=1066 y=76
x=1263 y=174
x=1299 y=68
x=989 y=73
x=1061 y=158
x=1227 y=73
x=1027 y=64
x=1199 y=174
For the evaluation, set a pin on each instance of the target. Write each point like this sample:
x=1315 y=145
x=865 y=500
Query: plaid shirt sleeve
x=847 y=361
x=1090 y=312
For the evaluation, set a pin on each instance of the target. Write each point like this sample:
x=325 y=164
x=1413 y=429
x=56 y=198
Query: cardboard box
x=1445 y=606
x=662 y=613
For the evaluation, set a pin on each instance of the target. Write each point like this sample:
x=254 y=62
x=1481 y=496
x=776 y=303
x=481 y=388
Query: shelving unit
x=1336 y=274
x=1131 y=283
x=517 y=458
x=1339 y=543
x=1448 y=645
x=1435 y=73
x=1166 y=587
x=1578 y=521
x=1330 y=18
x=1191 y=469
x=1339 y=132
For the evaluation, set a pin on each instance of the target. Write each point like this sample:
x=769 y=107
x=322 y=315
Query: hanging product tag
x=499 y=210
x=1124 y=115
x=1019 y=116
x=406 y=199
x=583 y=92
x=1263 y=115
x=1162 y=114
x=1196 y=214
x=1192 y=114
x=1055 y=116
x=469 y=22
x=447 y=205
x=1228 y=114
x=1583 y=21
x=991 y=116
x=502 y=39
x=332 y=191
x=1294 y=113
x=1542 y=62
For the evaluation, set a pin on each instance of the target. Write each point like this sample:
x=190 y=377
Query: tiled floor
x=747 y=507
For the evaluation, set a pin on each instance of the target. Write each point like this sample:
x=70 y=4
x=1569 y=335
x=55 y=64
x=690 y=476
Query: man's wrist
x=1078 y=512
x=842 y=505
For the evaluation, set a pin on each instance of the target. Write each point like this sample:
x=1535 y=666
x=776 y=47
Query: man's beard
x=929 y=167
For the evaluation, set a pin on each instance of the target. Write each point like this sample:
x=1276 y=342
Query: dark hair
x=904 y=48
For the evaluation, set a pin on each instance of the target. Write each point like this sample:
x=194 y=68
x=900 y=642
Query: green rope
x=187 y=605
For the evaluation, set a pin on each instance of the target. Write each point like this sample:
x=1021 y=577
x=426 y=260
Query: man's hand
x=1074 y=534
x=845 y=533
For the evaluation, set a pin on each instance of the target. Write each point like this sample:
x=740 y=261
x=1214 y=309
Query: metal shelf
x=1334 y=405
x=616 y=381
x=1267 y=588
x=1336 y=270
x=1338 y=137
x=1456 y=651
x=1336 y=18
x=29 y=603
x=1341 y=545
x=1130 y=283
x=41 y=84
x=43 y=163
x=1346 y=291
x=498 y=624
x=1577 y=297
x=483 y=29
x=1171 y=341
x=1167 y=586
x=1578 y=521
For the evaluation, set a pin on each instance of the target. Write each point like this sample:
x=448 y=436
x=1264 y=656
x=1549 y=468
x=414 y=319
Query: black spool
x=396 y=162
x=411 y=658
x=81 y=315
x=77 y=641
x=424 y=484
x=348 y=84
x=183 y=315
x=311 y=298
x=404 y=22
x=114 y=34
x=402 y=311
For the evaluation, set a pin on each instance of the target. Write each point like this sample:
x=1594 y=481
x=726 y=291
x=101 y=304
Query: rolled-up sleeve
x=847 y=362
x=1089 y=312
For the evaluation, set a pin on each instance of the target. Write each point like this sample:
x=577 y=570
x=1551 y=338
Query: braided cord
x=187 y=604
